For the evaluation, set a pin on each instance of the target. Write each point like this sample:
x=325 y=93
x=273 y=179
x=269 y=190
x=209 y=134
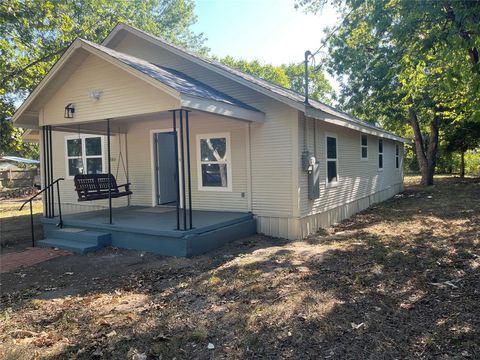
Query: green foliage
x=450 y=163
x=472 y=163
x=34 y=34
x=289 y=76
x=319 y=87
x=267 y=72
x=464 y=136
x=412 y=66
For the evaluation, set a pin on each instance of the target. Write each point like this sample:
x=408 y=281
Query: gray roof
x=174 y=79
x=267 y=85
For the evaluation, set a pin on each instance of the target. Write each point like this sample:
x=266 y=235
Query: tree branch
x=25 y=68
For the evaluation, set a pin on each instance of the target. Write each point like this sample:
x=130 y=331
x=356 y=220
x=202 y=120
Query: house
x=211 y=153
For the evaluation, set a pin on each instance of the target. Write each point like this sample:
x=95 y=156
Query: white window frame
x=84 y=155
x=363 y=146
x=382 y=153
x=228 y=162
x=397 y=156
x=327 y=159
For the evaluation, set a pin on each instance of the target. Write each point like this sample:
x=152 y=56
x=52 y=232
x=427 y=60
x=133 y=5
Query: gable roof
x=190 y=92
x=174 y=79
x=315 y=109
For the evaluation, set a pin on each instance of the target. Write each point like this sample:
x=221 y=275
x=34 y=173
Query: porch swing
x=90 y=187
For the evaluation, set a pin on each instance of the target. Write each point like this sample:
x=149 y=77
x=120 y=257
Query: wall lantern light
x=69 y=111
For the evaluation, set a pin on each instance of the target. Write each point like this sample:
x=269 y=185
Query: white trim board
x=228 y=162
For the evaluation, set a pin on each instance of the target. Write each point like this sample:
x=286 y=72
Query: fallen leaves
x=373 y=288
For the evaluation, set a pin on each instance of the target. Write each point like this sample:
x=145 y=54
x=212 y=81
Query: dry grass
x=15 y=225
x=399 y=280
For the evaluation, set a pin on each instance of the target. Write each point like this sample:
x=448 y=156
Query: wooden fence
x=18 y=178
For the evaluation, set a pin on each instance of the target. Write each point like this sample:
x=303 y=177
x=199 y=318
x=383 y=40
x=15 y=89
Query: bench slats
x=96 y=186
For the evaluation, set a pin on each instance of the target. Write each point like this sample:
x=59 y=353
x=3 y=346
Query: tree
x=34 y=34
x=319 y=87
x=462 y=138
x=289 y=76
x=267 y=72
x=408 y=63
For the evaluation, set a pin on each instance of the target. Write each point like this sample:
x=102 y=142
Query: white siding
x=123 y=95
x=140 y=153
x=273 y=145
x=358 y=179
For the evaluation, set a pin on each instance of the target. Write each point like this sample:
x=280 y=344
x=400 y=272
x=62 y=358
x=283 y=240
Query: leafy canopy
x=290 y=76
x=389 y=53
x=412 y=66
x=34 y=33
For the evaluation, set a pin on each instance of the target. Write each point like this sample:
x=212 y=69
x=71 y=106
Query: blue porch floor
x=154 y=229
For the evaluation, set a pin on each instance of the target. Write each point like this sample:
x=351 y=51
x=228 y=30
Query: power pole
x=307 y=55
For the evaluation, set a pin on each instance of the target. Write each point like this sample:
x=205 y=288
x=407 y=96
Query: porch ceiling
x=119 y=125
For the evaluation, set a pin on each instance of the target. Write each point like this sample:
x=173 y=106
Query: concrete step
x=81 y=235
x=79 y=247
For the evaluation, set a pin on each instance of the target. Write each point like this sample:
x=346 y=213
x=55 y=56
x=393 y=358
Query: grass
x=399 y=280
x=15 y=225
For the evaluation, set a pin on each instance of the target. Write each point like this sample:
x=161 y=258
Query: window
x=364 y=147
x=84 y=155
x=214 y=165
x=380 y=154
x=332 y=176
x=397 y=156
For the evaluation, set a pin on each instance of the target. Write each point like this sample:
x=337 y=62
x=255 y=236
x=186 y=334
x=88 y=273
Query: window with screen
x=214 y=162
x=397 y=156
x=84 y=155
x=364 y=147
x=380 y=154
x=332 y=170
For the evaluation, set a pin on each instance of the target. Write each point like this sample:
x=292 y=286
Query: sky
x=272 y=31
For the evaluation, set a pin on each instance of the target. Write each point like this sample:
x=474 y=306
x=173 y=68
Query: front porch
x=153 y=229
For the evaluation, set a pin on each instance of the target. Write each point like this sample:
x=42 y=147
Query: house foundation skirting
x=299 y=228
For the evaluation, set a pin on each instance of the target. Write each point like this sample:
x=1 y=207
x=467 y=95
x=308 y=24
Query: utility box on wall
x=314 y=182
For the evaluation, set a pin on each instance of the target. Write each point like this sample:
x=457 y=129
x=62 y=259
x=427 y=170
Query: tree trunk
x=432 y=149
x=427 y=160
x=462 y=164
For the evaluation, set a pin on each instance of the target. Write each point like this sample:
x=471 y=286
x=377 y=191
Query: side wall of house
x=273 y=144
x=360 y=182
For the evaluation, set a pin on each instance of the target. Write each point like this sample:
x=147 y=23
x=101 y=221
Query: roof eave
x=341 y=121
x=221 y=108
x=77 y=44
x=347 y=119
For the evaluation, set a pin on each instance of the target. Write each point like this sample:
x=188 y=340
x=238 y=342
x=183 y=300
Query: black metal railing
x=50 y=189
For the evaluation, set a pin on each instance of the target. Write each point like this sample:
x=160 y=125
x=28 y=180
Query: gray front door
x=165 y=167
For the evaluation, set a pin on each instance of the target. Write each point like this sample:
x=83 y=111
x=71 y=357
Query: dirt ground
x=398 y=281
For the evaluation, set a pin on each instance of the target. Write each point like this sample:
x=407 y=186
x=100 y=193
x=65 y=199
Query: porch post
x=187 y=126
x=183 y=172
x=50 y=164
x=47 y=153
x=109 y=173
x=44 y=171
x=175 y=144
